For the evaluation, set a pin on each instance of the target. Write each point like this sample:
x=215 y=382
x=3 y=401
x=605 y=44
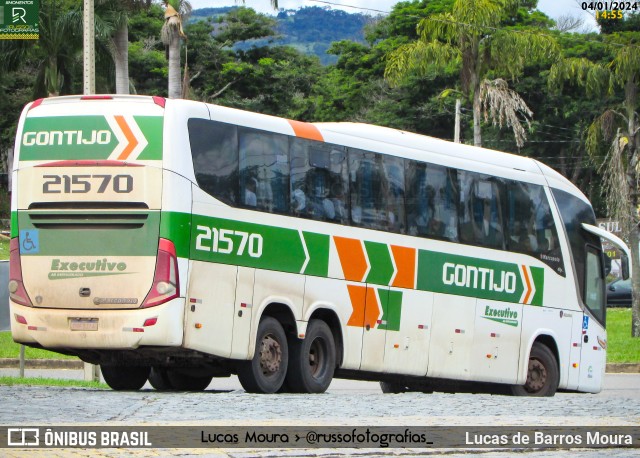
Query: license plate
x=83 y=324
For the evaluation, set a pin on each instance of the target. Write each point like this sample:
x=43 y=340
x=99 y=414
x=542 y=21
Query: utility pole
x=91 y=371
x=89 y=49
x=456 y=131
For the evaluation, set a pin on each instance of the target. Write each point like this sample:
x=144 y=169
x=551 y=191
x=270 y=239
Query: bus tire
x=312 y=360
x=265 y=373
x=159 y=379
x=125 y=378
x=542 y=375
x=184 y=382
x=393 y=388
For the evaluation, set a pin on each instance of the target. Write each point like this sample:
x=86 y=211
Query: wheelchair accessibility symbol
x=29 y=241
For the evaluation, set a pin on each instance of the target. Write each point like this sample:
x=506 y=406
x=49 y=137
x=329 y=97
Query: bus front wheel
x=542 y=375
x=125 y=378
x=265 y=373
x=313 y=360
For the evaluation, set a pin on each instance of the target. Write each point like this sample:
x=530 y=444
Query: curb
x=623 y=368
x=10 y=363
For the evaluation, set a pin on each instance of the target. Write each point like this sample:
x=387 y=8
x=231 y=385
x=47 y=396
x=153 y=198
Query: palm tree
x=470 y=36
x=172 y=33
x=618 y=127
x=112 y=17
x=55 y=50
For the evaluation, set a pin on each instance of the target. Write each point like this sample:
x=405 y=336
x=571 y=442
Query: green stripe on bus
x=318 y=248
x=14 y=224
x=380 y=260
x=151 y=127
x=391 y=302
x=55 y=138
x=112 y=236
x=537 y=274
x=473 y=277
x=176 y=226
x=246 y=244
x=67 y=137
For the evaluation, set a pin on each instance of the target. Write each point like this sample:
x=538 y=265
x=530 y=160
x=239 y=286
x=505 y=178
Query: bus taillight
x=17 y=293
x=166 y=284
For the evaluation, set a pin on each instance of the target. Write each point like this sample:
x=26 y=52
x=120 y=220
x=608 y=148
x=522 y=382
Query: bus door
x=594 y=337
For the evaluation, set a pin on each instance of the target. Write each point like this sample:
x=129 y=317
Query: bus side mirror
x=607 y=265
x=624 y=265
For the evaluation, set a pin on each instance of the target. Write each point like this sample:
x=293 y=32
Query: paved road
x=346 y=403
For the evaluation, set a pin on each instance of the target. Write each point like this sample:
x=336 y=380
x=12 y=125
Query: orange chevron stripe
x=306 y=130
x=527 y=298
x=352 y=258
x=357 y=295
x=405 y=259
x=133 y=141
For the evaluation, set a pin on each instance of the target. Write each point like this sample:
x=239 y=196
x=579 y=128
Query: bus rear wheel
x=125 y=378
x=393 y=388
x=542 y=375
x=159 y=379
x=313 y=360
x=265 y=373
x=182 y=381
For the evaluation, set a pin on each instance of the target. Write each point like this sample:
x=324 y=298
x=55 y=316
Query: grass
x=10 y=349
x=4 y=247
x=41 y=381
x=621 y=347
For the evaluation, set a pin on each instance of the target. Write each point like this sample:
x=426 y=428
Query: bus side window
x=214 y=150
x=376 y=184
x=393 y=173
x=318 y=181
x=530 y=225
x=365 y=183
x=431 y=201
x=481 y=210
x=264 y=170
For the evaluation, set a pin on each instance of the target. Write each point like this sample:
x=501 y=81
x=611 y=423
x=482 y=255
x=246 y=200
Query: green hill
x=311 y=29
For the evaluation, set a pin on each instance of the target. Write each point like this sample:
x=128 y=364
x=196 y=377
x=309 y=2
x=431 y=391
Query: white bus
x=175 y=241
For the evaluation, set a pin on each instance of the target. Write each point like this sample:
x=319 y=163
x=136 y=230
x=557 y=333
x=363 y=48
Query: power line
x=487 y=27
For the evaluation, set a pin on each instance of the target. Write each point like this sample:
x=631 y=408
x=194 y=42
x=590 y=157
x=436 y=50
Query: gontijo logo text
x=112 y=137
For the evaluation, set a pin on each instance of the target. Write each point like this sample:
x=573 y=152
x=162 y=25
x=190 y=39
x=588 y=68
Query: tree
x=172 y=34
x=471 y=37
x=618 y=127
x=119 y=12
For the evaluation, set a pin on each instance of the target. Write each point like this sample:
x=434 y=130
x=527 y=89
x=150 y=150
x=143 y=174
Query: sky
x=553 y=8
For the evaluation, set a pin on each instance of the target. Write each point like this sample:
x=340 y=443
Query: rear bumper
x=117 y=329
